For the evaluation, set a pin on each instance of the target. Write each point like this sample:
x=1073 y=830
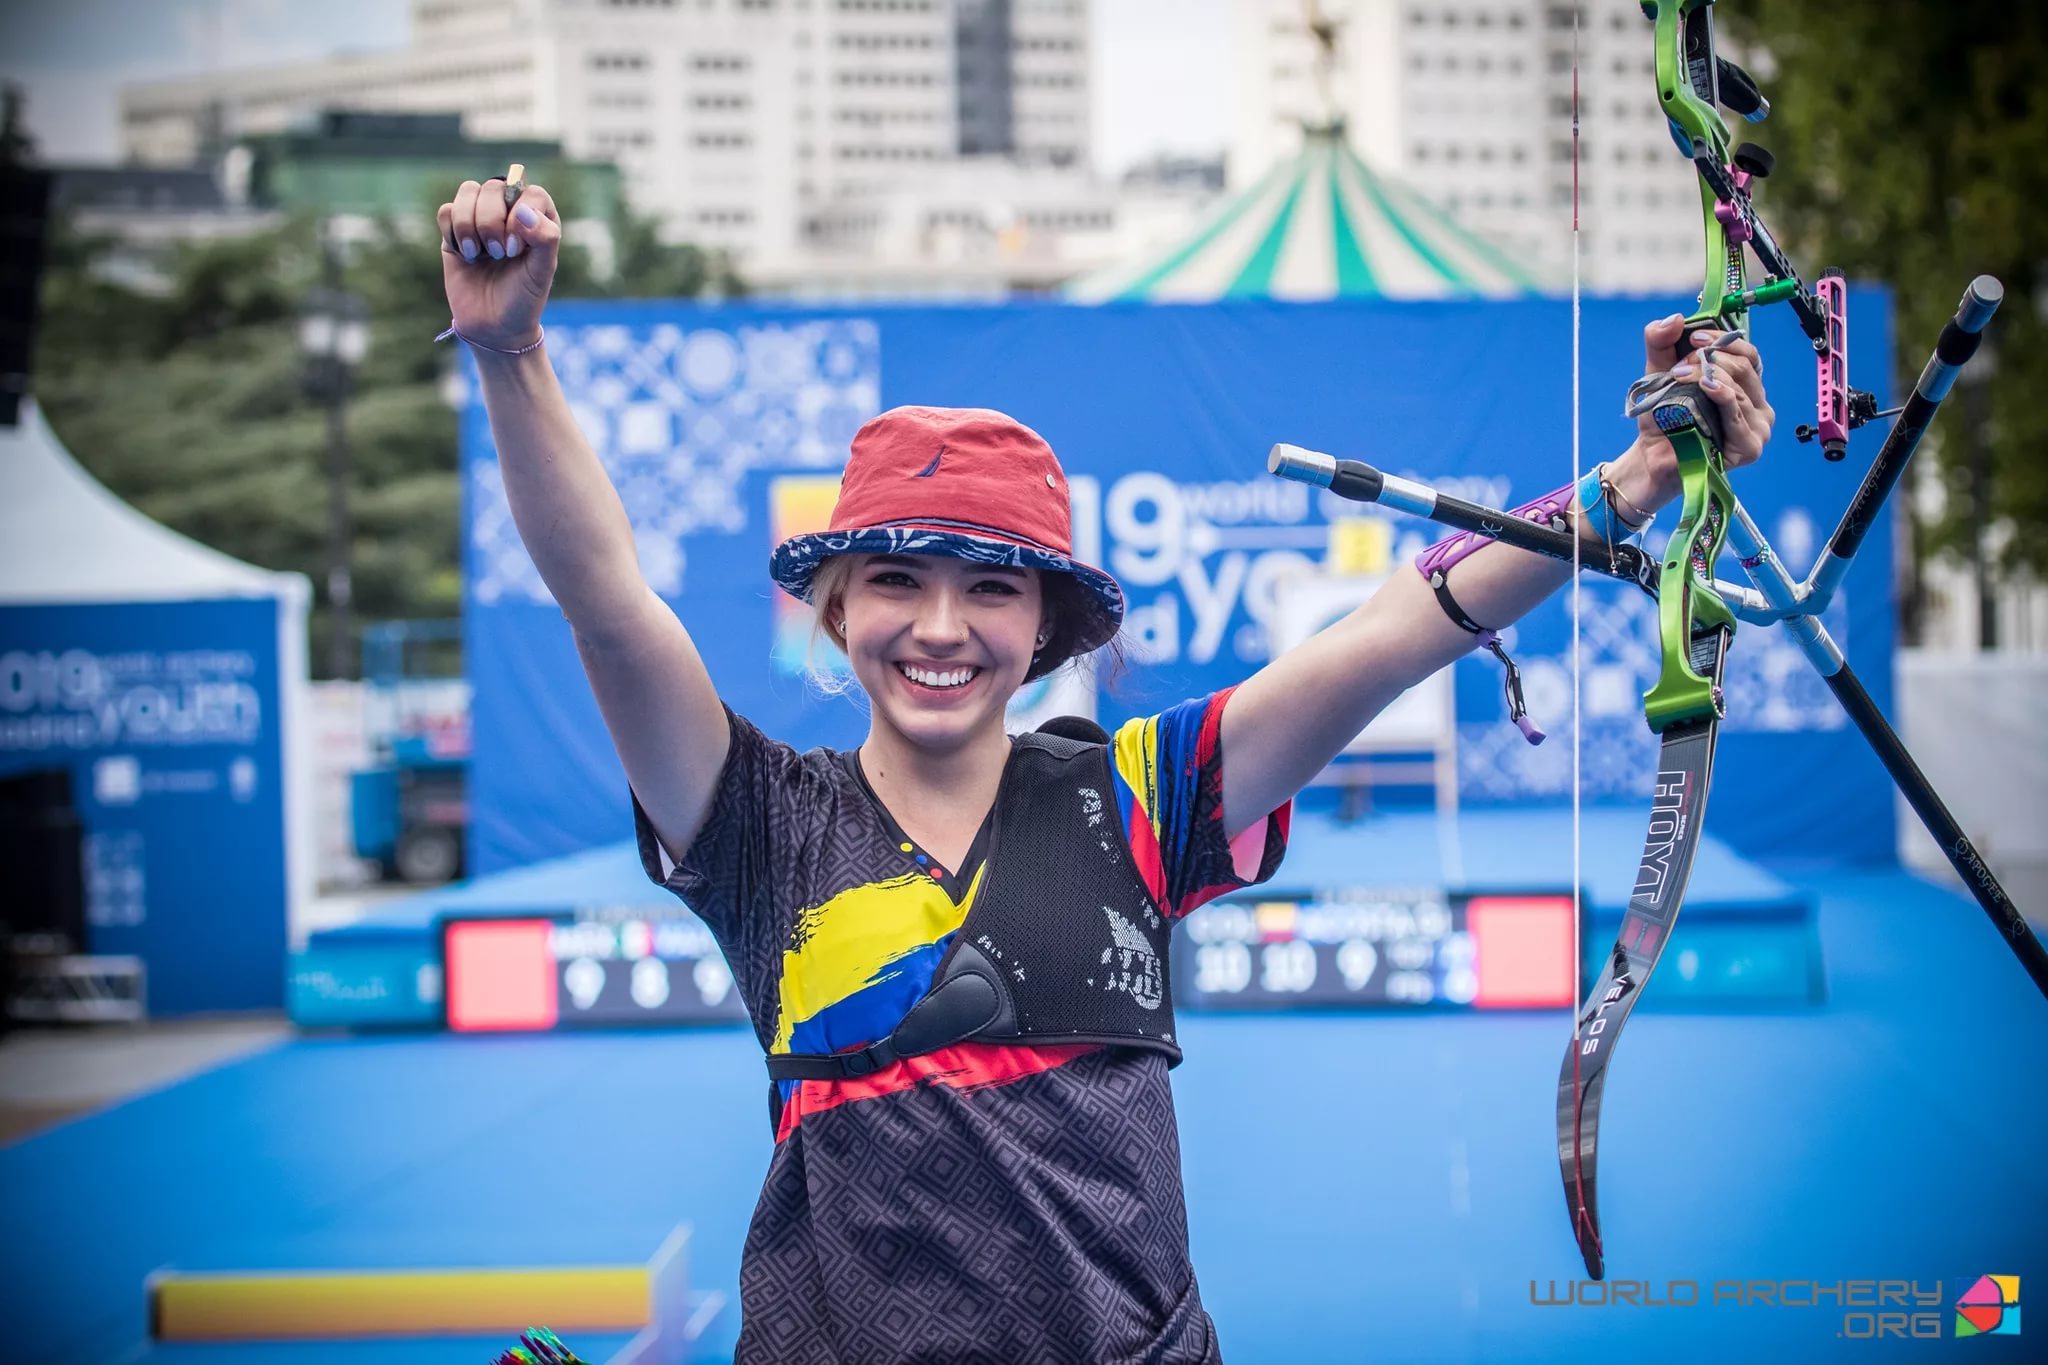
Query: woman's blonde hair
x=828 y=586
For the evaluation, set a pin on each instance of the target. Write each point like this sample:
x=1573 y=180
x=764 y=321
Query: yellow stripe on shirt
x=853 y=940
x=1137 y=762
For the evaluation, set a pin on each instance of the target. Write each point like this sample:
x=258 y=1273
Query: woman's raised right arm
x=498 y=263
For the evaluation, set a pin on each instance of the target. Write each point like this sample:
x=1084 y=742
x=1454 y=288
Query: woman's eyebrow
x=912 y=562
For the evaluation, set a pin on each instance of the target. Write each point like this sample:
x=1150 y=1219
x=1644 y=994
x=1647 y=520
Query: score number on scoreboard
x=1378 y=948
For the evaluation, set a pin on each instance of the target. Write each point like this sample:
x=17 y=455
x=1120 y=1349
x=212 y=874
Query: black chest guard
x=1063 y=943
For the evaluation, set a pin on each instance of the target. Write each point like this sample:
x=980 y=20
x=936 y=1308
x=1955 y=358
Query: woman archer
x=950 y=942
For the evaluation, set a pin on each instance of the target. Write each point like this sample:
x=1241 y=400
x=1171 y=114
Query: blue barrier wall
x=166 y=714
x=722 y=428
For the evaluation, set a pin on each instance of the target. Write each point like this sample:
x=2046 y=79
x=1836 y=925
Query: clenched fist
x=498 y=261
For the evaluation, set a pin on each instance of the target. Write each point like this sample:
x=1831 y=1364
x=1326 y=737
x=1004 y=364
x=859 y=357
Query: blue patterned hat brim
x=796 y=562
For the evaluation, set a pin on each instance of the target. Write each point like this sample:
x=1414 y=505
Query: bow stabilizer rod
x=1357 y=481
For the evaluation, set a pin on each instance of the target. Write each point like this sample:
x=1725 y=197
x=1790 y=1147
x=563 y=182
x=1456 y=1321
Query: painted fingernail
x=1709 y=382
x=1684 y=371
x=469 y=248
x=526 y=216
x=512 y=246
x=497 y=250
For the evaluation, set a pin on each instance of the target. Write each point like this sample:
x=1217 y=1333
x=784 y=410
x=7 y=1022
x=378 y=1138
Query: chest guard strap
x=1063 y=944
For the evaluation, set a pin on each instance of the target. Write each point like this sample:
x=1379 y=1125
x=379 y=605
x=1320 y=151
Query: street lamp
x=334 y=335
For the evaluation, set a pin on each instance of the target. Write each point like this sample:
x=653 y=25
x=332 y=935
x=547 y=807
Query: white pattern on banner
x=679 y=417
x=1769 y=681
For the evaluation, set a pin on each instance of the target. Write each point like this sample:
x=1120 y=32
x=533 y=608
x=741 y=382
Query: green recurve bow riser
x=1689 y=606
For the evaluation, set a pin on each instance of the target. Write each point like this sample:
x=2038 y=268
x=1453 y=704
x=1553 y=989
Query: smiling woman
x=952 y=942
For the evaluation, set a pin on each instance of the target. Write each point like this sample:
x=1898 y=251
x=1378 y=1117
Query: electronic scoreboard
x=1372 y=947
x=593 y=967
x=1379 y=947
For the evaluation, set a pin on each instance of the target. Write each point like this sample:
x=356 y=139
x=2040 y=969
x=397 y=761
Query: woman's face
x=940 y=644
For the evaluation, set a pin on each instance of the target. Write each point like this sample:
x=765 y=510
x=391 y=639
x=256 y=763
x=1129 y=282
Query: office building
x=738 y=124
x=1470 y=102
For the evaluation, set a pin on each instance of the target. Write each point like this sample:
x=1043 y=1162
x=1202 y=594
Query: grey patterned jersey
x=978 y=1203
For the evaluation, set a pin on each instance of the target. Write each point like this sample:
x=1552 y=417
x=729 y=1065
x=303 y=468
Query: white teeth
x=954 y=678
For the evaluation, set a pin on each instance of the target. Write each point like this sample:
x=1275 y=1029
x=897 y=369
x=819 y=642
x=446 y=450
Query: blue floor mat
x=1360 y=1185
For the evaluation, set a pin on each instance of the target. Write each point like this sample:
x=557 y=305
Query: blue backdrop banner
x=723 y=430
x=166 y=716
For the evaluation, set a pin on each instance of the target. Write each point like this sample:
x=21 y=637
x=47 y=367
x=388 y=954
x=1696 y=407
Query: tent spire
x=1327 y=120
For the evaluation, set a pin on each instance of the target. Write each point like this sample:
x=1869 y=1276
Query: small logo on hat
x=933 y=467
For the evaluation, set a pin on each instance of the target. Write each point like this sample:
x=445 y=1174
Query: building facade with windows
x=1470 y=102
x=747 y=125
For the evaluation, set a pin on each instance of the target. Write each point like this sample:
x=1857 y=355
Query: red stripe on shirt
x=1144 y=842
x=964 y=1066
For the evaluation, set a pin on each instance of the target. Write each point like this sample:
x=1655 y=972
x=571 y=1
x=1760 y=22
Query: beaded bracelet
x=533 y=345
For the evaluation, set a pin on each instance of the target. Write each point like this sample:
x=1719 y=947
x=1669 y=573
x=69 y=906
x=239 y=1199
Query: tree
x=179 y=386
x=1912 y=148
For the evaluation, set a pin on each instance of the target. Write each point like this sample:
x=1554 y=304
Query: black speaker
x=42 y=847
x=24 y=216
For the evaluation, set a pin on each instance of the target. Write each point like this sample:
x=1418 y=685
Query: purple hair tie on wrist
x=533 y=345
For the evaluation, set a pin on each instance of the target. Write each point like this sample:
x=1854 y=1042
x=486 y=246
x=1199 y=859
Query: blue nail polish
x=468 y=248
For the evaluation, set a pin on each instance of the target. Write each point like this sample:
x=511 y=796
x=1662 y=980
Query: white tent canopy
x=67 y=542
x=1321 y=224
x=65 y=538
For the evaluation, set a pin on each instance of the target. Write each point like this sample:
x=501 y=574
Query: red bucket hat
x=969 y=483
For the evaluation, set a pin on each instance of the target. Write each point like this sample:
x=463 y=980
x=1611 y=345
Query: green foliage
x=175 y=377
x=1912 y=146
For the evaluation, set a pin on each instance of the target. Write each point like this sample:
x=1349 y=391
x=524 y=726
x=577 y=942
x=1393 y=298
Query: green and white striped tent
x=1319 y=225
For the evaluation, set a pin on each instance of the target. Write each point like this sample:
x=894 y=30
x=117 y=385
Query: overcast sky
x=1159 y=65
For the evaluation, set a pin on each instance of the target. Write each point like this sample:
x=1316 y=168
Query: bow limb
x=1684 y=707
